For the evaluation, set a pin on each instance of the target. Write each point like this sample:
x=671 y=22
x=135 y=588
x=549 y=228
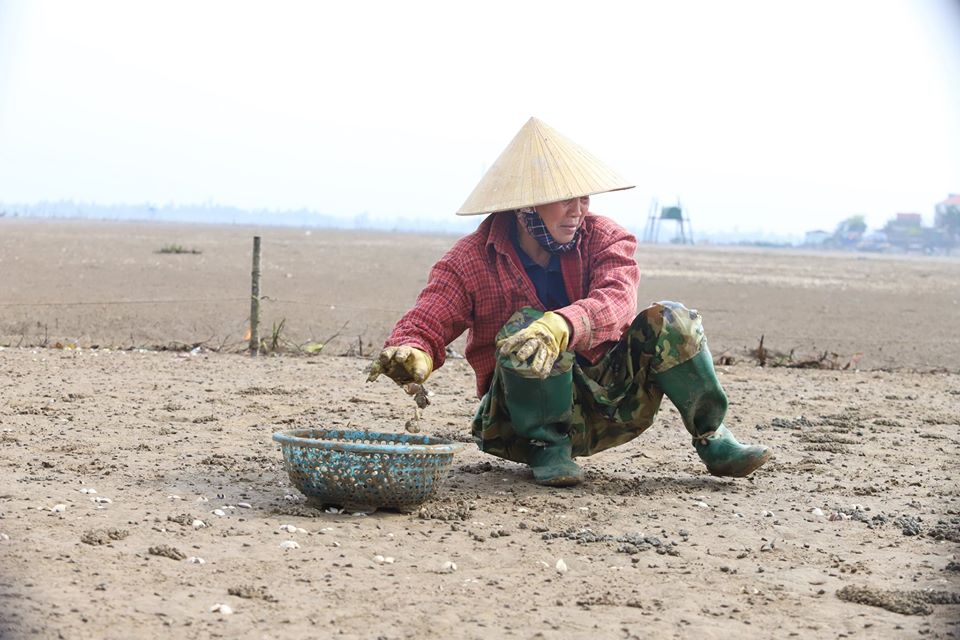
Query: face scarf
x=533 y=223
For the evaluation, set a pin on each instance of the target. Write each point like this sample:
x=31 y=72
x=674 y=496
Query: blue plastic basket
x=366 y=470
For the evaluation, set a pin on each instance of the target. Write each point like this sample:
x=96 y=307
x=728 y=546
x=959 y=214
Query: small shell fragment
x=199 y=524
x=195 y=560
x=448 y=567
x=4 y=536
x=289 y=544
x=817 y=511
x=288 y=528
x=244 y=505
x=219 y=512
x=88 y=490
x=222 y=609
x=58 y=508
x=561 y=566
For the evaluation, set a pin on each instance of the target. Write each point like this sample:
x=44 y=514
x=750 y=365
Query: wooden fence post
x=255 y=299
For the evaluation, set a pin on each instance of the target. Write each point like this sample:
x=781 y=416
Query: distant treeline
x=221 y=214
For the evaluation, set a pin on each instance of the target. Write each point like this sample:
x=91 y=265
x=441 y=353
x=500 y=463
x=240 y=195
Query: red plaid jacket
x=481 y=282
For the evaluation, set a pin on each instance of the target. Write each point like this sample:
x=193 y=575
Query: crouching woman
x=547 y=292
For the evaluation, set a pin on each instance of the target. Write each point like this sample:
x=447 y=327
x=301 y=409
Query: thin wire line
x=267 y=299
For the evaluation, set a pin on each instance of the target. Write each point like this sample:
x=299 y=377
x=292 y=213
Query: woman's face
x=563 y=218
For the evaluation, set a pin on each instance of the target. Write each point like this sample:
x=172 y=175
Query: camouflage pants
x=614 y=400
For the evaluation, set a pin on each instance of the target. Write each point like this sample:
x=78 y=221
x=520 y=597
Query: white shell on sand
x=561 y=566
x=288 y=528
x=88 y=490
x=244 y=505
x=448 y=567
x=223 y=609
x=199 y=524
x=219 y=512
x=59 y=508
x=289 y=544
x=195 y=560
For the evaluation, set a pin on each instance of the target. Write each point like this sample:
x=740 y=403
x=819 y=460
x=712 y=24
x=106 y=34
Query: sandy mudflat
x=861 y=499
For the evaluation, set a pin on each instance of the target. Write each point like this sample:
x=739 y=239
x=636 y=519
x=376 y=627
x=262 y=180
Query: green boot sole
x=540 y=411
x=726 y=457
x=693 y=388
x=553 y=466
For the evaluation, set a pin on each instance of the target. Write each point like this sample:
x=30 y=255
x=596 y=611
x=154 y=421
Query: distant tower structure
x=677 y=213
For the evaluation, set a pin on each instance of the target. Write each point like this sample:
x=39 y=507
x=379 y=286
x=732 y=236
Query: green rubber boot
x=694 y=389
x=541 y=410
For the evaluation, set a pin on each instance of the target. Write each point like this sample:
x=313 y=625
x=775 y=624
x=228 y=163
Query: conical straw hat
x=540 y=166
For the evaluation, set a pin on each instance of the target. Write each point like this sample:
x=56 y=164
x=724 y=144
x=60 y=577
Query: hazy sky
x=773 y=115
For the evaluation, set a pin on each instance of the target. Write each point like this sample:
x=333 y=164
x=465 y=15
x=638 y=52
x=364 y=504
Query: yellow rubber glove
x=403 y=364
x=544 y=339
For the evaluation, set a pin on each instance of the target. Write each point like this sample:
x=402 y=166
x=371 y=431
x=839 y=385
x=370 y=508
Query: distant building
x=816 y=238
x=947 y=219
x=952 y=199
x=874 y=241
x=905 y=231
x=909 y=220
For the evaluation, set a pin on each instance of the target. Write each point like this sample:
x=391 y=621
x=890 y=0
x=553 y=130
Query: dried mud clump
x=445 y=512
x=96 y=537
x=298 y=510
x=828 y=448
x=946 y=530
x=252 y=593
x=909 y=603
x=630 y=543
x=792 y=423
x=910 y=525
x=166 y=551
x=607 y=599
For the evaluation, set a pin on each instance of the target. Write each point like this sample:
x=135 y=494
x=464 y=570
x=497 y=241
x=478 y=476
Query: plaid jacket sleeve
x=441 y=313
x=610 y=303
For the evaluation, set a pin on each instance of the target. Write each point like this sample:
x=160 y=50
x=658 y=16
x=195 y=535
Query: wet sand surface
x=851 y=531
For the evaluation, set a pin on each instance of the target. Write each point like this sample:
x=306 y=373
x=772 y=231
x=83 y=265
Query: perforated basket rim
x=294 y=437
